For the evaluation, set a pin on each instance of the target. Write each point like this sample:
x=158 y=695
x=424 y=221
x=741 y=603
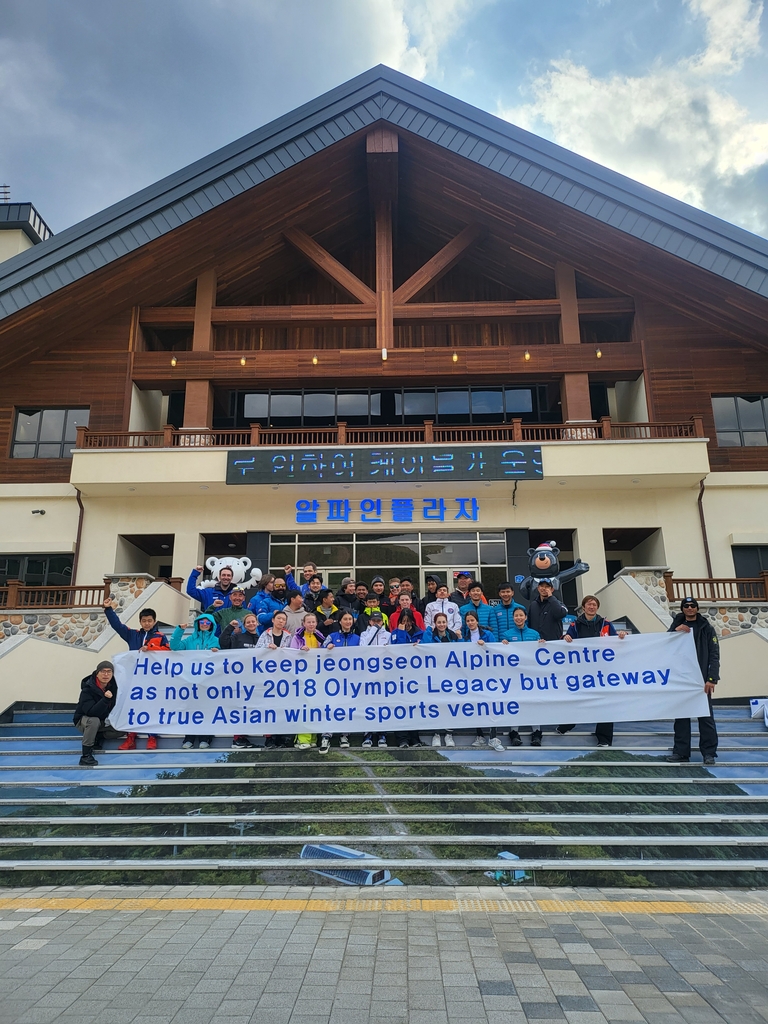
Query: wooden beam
x=305 y=316
x=606 y=307
x=574 y=395
x=327 y=265
x=439 y=265
x=198 y=403
x=381 y=148
x=205 y=300
x=167 y=316
x=385 y=329
x=426 y=312
x=565 y=288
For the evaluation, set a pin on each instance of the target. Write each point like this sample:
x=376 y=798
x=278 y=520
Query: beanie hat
x=377 y=579
x=104 y=664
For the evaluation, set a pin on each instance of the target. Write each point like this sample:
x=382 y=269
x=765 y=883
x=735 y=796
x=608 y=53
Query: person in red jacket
x=404 y=601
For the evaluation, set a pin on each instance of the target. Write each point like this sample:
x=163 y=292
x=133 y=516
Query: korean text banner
x=425 y=686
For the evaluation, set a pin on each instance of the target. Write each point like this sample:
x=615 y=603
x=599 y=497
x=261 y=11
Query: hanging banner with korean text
x=424 y=686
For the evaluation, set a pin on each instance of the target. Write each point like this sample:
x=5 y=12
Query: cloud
x=677 y=127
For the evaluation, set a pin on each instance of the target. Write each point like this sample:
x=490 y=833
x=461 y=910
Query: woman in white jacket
x=375 y=635
x=448 y=608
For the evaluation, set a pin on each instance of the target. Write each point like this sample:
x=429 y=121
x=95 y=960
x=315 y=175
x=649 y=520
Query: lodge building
x=390 y=333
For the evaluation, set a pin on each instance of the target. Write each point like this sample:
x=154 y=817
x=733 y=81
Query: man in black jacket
x=688 y=620
x=546 y=613
x=98 y=693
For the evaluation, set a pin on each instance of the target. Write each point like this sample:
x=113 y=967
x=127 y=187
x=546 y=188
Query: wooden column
x=574 y=395
x=205 y=300
x=198 y=404
x=565 y=285
x=385 y=330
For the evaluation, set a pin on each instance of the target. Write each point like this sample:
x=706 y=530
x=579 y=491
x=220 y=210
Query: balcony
x=501 y=433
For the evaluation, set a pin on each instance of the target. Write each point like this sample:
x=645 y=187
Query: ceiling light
x=165 y=547
x=231 y=545
x=131 y=488
x=203 y=487
x=527 y=356
x=613 y=541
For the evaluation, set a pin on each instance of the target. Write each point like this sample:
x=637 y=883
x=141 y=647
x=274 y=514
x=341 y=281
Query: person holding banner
x=439 y=633
x=472 y=632
x=98 y=694
x=408 y=631
x=376 y=634
x=306 y=638
x=345 y=635
x=589 y=624
x=202 y=638
x=277 y=635
x=688 y=620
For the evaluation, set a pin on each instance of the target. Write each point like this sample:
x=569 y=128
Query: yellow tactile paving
x=388 y=906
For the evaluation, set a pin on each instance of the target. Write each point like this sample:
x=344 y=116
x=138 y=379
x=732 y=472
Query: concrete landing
x=289 y=955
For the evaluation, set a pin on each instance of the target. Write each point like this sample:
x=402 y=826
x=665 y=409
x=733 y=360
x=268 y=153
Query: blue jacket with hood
x=197 y=640
x=516 y=634
x=501 y=618
x=135 y=638
x=207 y=595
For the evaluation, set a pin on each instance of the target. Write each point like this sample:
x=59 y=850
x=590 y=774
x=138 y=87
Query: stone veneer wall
x=728 y=617
x=77 y=626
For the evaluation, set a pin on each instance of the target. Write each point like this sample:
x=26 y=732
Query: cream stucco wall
x=734 y=503
x=12 y=242
x=21 y=532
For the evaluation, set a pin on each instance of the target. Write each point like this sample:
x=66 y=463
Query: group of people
x=284 y=613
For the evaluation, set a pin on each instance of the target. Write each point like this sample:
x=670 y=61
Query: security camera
x=38 y=511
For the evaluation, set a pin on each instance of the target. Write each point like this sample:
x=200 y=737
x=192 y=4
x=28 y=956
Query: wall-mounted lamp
x=173 y=360
x=527 y=356
x=599 y=353
x=242 y=360
x=455 y=357
x=38 y=511
x=314 y=360
x=384 y=355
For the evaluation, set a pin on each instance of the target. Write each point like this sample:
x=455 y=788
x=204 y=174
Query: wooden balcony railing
x=20 y=597
x=426 y=433
x=715 y=590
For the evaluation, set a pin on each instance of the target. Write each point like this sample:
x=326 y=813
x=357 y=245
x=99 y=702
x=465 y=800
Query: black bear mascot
x=543 y=565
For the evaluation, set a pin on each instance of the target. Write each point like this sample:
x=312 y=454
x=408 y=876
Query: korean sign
x=436 y=463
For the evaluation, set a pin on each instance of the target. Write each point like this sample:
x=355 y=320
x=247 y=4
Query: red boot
x=152 y=743
x=129 y=743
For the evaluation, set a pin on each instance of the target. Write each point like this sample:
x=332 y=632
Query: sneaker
x=709 y=761
x=514 y=738
x=344 y=741
x=449 y=740
x=129 y=743
x=188 y=744
x=674 y=759
x=536 y=738
x=302 y=746
x=382 y=741
x=418 y=743
x=497 y=744
x=403 y=744
x=561 y=731
x=479 y=742
x=367 y=743
x=271 y=743
x=241 y=743
x=204 y=744
x=88 y=761
x=599 y=745
x=436 y=740
x=152 y=743
x=325 y=745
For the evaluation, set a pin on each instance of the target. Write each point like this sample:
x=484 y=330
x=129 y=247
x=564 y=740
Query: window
x=47 y=433
x=750 y=560
x=741 y=421
x=37 y=570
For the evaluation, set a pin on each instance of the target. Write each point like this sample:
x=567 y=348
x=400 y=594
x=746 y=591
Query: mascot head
x=543 y=560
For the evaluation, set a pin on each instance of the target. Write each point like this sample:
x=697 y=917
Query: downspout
x=79 y=535
x=703 y=523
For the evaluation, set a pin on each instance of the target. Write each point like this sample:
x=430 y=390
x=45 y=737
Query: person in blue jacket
x=220 y=591
x=407 y=632
x=439 y=633
x=202 y=638
x=473 y=631
x=135 y=638
x=520 y=632
x=476 y=604
x=502 y=614
x=266 y=602
x=345 y=635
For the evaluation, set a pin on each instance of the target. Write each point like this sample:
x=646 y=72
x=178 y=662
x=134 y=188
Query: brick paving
x=81 y=954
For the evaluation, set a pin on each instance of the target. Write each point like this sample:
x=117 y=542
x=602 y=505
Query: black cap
x=376 y=615
x=689 y=602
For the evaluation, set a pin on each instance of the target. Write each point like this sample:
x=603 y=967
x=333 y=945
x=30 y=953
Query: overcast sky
x=99 y=98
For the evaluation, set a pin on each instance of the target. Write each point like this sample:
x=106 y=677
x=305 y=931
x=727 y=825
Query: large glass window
x=386 y=406
x=47 y=433
x=750 y=560
x=741 y=421
x=37 y=570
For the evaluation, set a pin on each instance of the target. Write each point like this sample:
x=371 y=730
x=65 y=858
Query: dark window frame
x=739 y=430
x=65 y=447
x=24 y=560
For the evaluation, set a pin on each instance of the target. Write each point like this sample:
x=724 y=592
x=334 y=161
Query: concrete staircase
x=570 y=812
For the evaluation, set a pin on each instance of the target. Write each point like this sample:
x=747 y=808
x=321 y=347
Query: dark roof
x=24 y=217
x=383 y=94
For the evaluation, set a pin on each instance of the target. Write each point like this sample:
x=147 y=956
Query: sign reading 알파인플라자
x=429 y=686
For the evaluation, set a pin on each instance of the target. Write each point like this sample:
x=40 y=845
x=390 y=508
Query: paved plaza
x=233 y=954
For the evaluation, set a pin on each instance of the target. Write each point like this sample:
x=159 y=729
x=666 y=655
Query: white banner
x=428 y=686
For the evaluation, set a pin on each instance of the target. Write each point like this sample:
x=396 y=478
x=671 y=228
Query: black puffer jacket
x=546 y=617
x=93 y=703
x=707 y=647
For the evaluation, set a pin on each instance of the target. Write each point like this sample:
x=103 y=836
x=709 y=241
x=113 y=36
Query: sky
x=99 y=98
